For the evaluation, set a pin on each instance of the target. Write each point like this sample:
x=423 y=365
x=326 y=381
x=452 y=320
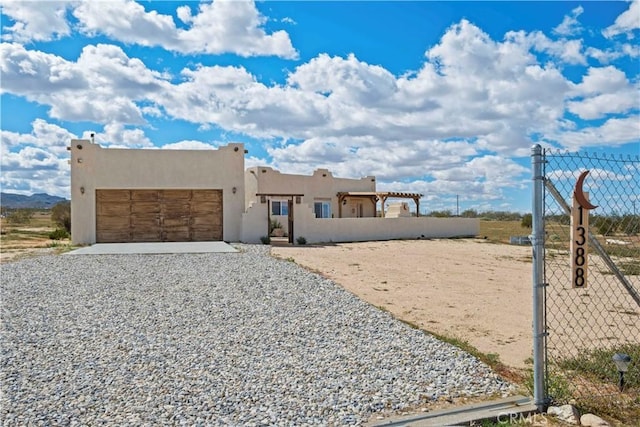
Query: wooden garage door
x=158 y=215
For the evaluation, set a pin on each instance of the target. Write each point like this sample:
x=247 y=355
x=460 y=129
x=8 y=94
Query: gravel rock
x=566 y=413
x=590 y=420
x=209 y=339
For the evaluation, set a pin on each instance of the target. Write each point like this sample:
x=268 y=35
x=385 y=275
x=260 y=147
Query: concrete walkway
x=513 y=409
x=154 y=248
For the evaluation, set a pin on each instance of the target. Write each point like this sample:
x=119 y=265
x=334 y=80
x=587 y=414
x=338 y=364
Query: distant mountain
x=37 y=201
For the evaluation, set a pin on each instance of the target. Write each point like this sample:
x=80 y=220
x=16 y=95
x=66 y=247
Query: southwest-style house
x=147 y=195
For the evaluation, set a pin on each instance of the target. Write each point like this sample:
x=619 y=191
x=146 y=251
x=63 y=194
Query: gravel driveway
x=209 y=339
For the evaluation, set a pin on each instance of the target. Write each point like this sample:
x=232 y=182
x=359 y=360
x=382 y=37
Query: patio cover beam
x=382 y=196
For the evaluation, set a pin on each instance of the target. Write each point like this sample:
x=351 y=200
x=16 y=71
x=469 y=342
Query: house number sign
x=579 y=247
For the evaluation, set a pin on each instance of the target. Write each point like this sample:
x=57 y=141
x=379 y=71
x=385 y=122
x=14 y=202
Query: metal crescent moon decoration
x=579 y=193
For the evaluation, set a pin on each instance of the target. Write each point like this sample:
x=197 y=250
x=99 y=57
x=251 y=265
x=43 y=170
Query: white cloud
x=603 y=91
x=600 y=105
x=223 y=26
x=480 y=182
x=37 y=161
x=127 y=21
x=631 y=50
x=599 y=80
x=498 y=171
x=473 y=103
x=613 y=132
x=115 y=134
x=31 y=158
x=233 y=26
x=470 y=86
x=625 y=23
x=184 y=14
x=43 y=135
x=567 y=51
x=102 y=86
x=387 y=160
x=570 y=25
x=609 y=55
x=348 y=80
x=189 y=145
x=35 y=21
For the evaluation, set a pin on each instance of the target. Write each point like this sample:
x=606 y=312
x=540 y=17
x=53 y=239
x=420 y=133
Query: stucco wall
x=94 y=167
x=321 y=230
x=320 y=185
x=371 y=229
x=254 y=223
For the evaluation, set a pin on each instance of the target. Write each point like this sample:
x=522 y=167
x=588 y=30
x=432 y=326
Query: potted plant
x=276 y=229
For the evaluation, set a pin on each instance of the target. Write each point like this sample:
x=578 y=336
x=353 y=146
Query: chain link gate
x=583 y=320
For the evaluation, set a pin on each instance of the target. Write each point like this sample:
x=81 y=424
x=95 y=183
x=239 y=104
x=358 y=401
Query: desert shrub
x=527 y=220
x=630 y=224
x=469 y=213
x=59 y=234
x=274 y=224
x=440 y=214
x=501 y=216
x=265 y=240
x=606 y=225
x=301 y=240
x=61 y=215
x=20 y=216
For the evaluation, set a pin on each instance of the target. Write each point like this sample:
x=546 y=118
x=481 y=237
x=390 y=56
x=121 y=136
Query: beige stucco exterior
x=94 y=167
x=245 y=216
x=334 y=230
x=321 y=186
x=356 y=220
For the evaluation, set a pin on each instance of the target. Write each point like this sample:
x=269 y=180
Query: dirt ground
x=464 y=288
x=477 y=291
x=19 y=249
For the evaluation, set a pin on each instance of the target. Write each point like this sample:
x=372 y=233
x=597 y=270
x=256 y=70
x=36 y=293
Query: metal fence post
x=537 y=243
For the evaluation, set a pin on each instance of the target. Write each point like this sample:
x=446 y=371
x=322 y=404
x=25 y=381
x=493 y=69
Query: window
x=279 y=207
x=322 y=209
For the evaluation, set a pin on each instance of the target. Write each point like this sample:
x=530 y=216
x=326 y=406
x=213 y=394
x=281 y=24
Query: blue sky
x=440 y=98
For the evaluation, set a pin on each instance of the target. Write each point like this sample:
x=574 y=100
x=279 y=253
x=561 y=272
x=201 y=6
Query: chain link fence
x=591 y=292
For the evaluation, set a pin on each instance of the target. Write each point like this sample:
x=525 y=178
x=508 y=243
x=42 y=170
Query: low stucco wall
x=369 y=229
x=316 y=230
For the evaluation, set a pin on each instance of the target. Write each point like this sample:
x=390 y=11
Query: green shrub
x=606 y=225
x=301 y=240
x=61 y=215
x=265 y=240
x=440 y=214
x=59 y=234
x=469 y=213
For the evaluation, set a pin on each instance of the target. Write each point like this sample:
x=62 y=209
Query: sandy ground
x=15 y=250
x=481 y=292
x=468 y=288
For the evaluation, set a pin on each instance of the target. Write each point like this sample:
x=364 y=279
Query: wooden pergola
x=382 y=196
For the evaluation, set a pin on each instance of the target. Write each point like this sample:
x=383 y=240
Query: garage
x=165 y=215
